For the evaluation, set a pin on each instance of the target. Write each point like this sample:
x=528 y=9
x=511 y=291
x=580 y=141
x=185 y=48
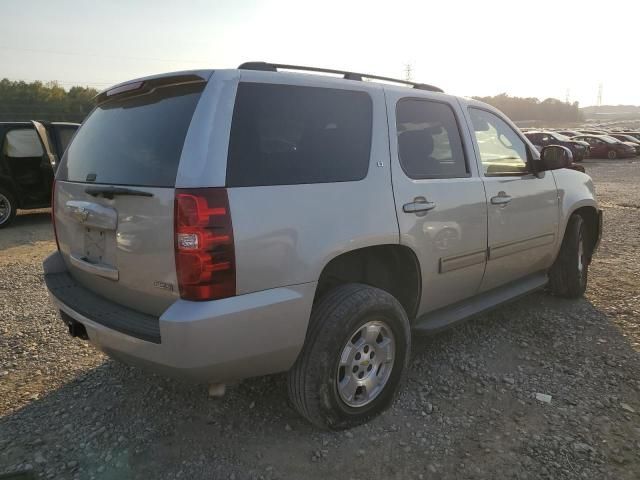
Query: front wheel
x=568 y=275
x=353 y=359
x=612 y=155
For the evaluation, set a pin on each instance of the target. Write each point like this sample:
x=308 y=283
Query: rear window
x=285 y=135
x=133 y=141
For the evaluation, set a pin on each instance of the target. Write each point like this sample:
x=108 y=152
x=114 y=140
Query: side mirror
x=554 y=157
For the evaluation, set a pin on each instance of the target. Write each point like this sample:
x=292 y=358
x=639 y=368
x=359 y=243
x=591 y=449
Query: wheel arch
x=393 y=268
x=6 y=184
x=590 y=215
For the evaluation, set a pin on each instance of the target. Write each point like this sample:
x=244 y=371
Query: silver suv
x=218 y=225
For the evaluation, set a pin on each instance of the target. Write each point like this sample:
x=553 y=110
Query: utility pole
x=600 y=94
x=566 y=98
x=407 y=72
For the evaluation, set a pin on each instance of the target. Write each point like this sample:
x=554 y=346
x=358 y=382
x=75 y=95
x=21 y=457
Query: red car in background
x=604 y=146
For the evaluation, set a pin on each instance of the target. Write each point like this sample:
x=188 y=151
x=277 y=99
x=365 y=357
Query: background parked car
x=569 y=133
x=603 y=146
x=28 y=160
x=627 y=139
x=592 y=132
x=579 y=148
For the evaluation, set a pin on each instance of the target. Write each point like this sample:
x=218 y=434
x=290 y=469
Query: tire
x=612 y=154
x=318 y=383
x=568 y=275
x=8 y=207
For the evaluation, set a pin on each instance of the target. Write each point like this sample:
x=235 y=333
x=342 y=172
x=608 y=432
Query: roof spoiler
x=146 y=85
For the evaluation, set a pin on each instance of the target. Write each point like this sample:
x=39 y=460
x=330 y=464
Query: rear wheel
x=7 y=208
x=612 y=154
x=568 y=275
x=354 y=356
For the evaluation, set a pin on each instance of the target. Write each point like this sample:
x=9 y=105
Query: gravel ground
x=468 y=409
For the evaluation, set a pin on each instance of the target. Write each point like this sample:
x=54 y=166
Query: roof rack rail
x=273 y=67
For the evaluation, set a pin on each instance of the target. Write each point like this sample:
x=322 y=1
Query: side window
x=502 y=151
x=429 y=143
x=22 y=143
x=287 y=135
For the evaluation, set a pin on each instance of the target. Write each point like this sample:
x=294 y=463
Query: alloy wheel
x=366 y=362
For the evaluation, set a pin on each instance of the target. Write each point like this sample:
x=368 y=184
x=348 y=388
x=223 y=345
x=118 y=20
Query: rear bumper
x=239 y=337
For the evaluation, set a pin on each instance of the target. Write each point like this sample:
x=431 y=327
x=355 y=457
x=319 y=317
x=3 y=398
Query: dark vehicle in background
x=604 y=146
x=28 y=161
x=569 y=133
x=579 y=148
x=592 y=132
x=633 y=134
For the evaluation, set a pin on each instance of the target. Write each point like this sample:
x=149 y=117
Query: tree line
x=521 y=109
x=49 y=101
x=20 y=101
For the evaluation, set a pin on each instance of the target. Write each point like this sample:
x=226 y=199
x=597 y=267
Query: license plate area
x=94 y=245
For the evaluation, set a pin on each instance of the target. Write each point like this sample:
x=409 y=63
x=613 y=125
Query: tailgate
x=115 y=190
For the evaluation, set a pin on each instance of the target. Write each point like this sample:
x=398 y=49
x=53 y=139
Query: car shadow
x=116 y=421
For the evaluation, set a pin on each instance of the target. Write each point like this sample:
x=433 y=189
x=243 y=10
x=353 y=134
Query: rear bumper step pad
x=102 y=311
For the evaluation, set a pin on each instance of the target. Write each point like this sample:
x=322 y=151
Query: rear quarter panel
x=286 y=234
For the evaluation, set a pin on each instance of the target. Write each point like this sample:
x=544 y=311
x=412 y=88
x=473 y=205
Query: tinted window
x=502 y=151
x=133 y=141
x=429 y=144
x=64 y=136
x=283 y=134
x=22 y=143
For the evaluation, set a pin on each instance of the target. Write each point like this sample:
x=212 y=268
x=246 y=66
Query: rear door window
x=134 y=140
x=286 y=135
x=429 y=142
x=65 y=134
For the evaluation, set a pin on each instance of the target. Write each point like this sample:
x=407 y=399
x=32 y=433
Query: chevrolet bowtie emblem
x=81 y=214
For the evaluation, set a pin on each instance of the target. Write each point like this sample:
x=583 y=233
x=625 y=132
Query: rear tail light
x=53 y=212
x=205 y=255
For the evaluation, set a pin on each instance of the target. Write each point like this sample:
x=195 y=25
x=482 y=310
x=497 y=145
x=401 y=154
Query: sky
x=542 y=48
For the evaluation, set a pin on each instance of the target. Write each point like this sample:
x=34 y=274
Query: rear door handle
x=419 y=205
x=501 y=199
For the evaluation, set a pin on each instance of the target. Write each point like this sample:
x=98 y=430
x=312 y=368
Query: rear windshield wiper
x=110 y=192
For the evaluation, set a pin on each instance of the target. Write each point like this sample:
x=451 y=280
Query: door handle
x=501 y=199
x=419 y=205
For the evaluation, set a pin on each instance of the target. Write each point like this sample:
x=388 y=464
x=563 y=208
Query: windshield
x=609 y=139
x=559 y=136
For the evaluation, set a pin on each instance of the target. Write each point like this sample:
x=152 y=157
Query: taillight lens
x=205 y=255
x=53 y=212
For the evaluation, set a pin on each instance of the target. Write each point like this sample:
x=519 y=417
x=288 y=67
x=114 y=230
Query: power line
x=407 y=72
x=75 y=83
x=95 y=55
